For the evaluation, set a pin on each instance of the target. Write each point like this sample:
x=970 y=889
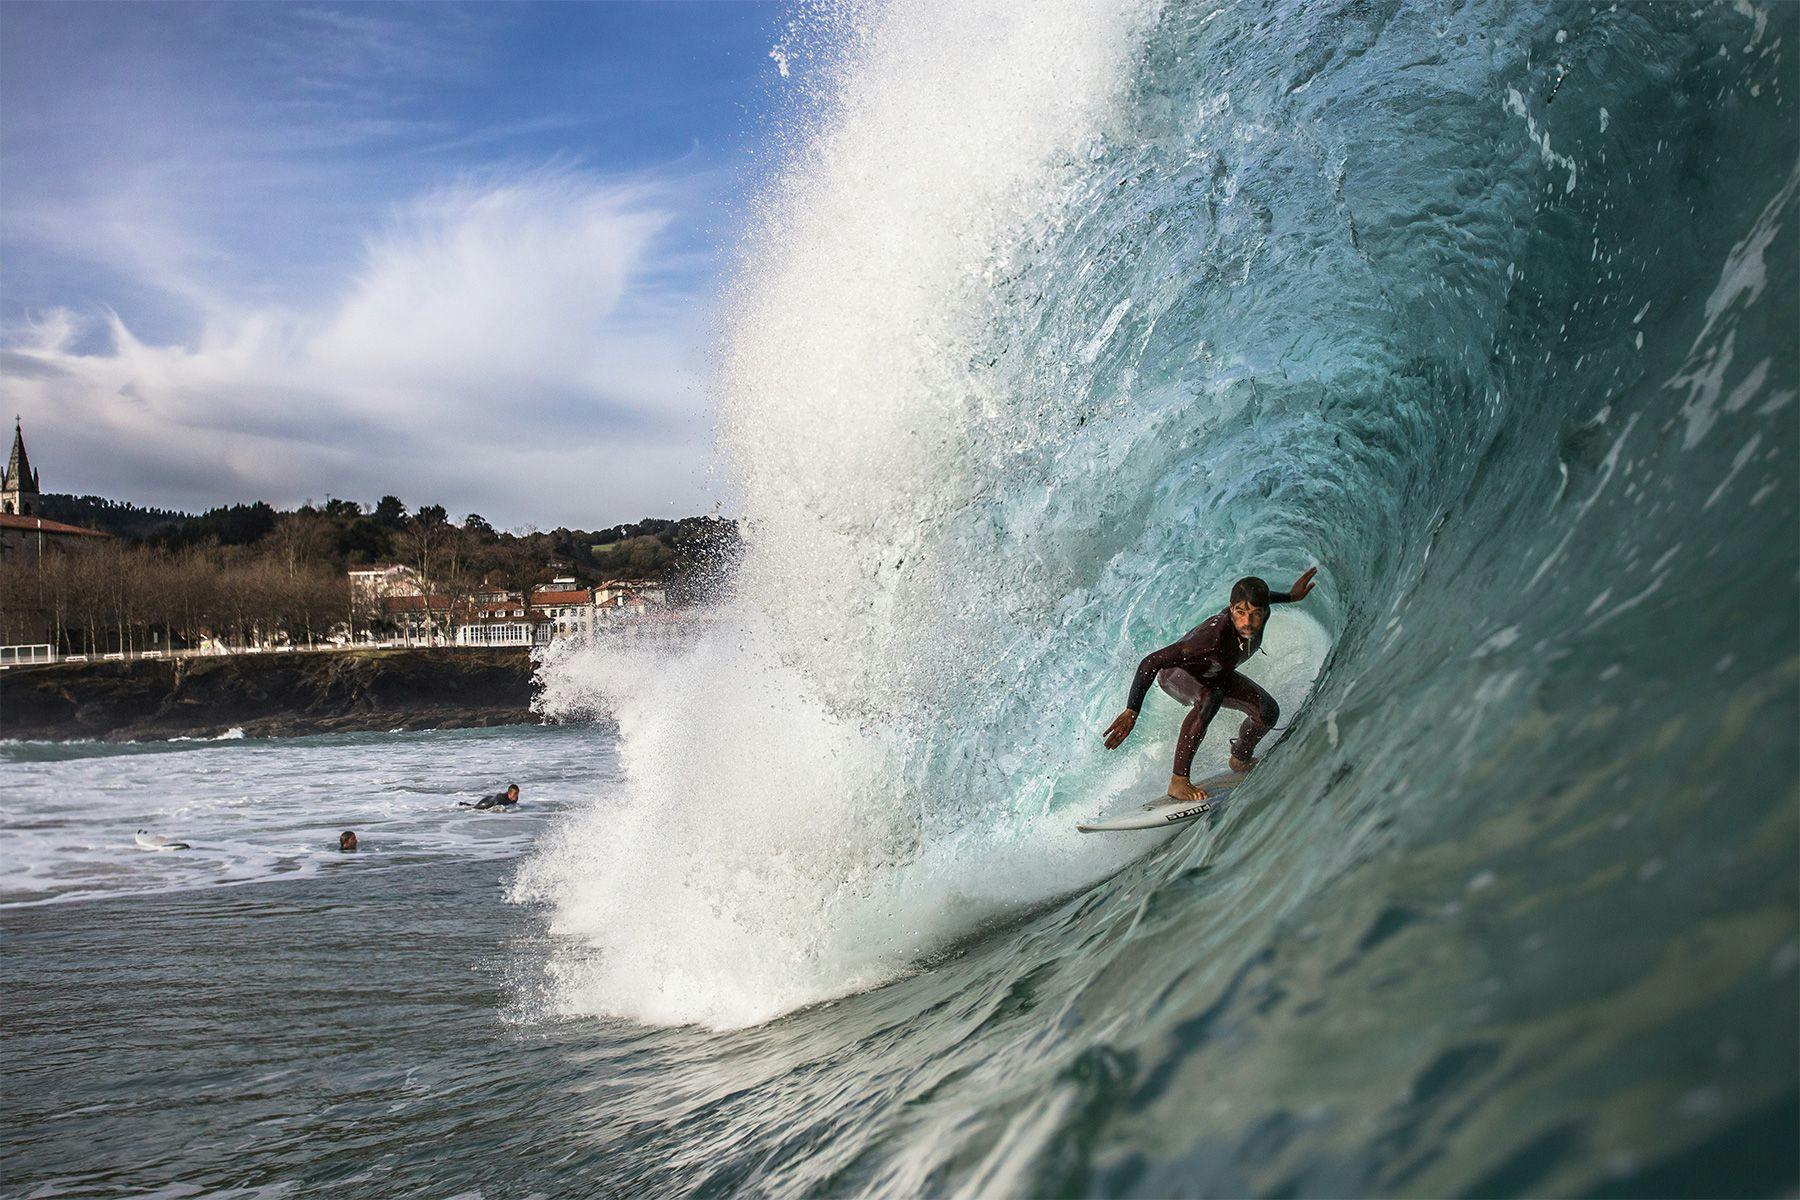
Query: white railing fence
x=40 y=653
x=12 y=656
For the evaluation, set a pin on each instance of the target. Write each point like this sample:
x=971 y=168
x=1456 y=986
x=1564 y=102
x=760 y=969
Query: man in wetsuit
x=1201 y=671
x=501 y=800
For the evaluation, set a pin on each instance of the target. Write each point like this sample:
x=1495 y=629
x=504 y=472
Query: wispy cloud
x=463 y=253
x=511 y=346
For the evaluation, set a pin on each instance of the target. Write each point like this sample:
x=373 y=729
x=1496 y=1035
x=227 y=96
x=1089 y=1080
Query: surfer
x=1201 y=671
x=502 y=800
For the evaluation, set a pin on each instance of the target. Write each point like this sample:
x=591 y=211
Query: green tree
x=390 y=513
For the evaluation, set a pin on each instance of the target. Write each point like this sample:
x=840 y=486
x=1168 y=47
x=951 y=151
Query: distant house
x=628 y=599
x=568 y=608
x=373 y=583
x=516 y=628
x=417 y=617
x=488 y=592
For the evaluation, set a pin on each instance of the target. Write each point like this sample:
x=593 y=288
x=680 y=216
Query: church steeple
x=19 y=486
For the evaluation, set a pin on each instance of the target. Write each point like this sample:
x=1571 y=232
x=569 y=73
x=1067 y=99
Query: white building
x=503 y=631
x=418 y=618
x=569 y=609
x=489 y=592
x=629 y=599
x=371 y=584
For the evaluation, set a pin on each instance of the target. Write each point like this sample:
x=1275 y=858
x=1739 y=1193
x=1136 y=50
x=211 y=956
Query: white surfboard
x=156 y=841
x=1163 y=812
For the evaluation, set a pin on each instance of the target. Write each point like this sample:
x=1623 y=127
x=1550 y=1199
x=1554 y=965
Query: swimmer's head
x=347 y=840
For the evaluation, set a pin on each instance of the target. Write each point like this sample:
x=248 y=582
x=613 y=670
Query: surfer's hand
x=1120 y=729
x=1304 y=584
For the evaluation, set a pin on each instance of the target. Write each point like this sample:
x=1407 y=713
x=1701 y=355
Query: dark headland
x=268 y=695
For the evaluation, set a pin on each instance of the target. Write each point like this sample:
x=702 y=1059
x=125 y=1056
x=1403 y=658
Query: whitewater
x=1052 y=321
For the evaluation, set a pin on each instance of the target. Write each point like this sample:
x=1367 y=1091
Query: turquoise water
x=1047 y=332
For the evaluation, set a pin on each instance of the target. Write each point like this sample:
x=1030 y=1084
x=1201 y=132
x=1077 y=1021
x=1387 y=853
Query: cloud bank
x=528 y=347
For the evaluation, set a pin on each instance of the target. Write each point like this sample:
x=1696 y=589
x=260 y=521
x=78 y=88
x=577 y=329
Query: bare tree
x=422 y=544
x=298 y=540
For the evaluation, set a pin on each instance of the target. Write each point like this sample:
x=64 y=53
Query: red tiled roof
x=414 y=603
x=578 y=596
x=39 y=525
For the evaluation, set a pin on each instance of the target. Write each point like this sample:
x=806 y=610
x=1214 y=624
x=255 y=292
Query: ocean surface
x=1052 y=321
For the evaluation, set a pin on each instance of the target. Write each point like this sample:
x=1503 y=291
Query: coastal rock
x=268 y=695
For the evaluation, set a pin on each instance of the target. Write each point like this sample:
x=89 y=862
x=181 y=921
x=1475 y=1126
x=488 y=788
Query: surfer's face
x=1248 y=618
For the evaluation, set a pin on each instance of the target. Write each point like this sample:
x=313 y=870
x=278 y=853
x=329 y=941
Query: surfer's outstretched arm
x=1155 y=661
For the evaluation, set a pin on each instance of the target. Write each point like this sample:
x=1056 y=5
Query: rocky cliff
x=267 y=695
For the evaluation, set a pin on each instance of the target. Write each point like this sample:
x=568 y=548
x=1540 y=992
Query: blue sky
x=471 y=254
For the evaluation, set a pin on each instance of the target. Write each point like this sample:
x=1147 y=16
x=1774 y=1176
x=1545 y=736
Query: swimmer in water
x=504 y=801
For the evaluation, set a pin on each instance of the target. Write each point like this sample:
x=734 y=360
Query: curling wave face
x=1050 y=332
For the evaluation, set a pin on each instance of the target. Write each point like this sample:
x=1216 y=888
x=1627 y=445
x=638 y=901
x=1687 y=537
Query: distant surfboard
x=1163 y=812
x=155 y=841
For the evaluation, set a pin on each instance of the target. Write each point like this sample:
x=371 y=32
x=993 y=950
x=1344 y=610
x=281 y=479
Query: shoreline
x=288 y=695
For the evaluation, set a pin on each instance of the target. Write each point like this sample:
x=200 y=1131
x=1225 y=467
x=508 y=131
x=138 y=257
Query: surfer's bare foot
x=1243 y=766
x=1181 y=789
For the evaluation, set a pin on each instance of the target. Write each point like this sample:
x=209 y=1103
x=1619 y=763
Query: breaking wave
x=1059 y=318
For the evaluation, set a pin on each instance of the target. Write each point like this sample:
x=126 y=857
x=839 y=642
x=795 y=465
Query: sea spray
x=848 y=770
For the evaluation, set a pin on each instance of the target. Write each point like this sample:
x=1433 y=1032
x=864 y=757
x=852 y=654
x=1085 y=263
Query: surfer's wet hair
x=1252 y=589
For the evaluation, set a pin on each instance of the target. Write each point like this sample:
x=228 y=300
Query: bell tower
x=19 y=486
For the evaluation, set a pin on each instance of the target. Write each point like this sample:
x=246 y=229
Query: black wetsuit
x=1201 y=670
x=497 y=800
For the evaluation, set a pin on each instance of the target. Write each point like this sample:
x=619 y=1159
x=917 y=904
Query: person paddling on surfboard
x=1201 y=671
x=504 y=801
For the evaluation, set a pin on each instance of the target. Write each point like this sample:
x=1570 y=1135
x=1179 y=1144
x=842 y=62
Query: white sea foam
x=766 y=853
x=253 y=810
x=235 y=733
x=888 y=737
x=793 y=828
